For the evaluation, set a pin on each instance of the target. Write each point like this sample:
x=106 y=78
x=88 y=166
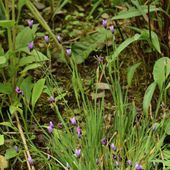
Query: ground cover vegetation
x=85 y=85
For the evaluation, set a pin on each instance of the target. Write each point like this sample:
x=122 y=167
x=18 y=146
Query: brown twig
x=27 y=153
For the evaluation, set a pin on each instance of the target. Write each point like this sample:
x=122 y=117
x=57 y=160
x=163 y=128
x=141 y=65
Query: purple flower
x=30 y=160
x=18 y=90
x=137 y=166
x=130 y=163
x=73 y=121
x=117 y=164
x=68 y=52
x=104 y=23
x=99 y=59
x=51 y=124
x=104 y=141
x=112 y=29
x=67 y=166
x=113 y=147
x=59 y=38
x=50 y=127
x=30 y=22
x=16 y=148
x=31 y=45
x=79 y=132
x=51 y=99
x=46 y=39
x=78 y=153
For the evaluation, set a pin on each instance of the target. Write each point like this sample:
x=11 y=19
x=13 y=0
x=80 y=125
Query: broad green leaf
x=148 y=97
x=27 y=86
x=161 y=71
x=82 y=48
x=122 y=46
x=31 y=67
x=154 y=39
x=36 y=56
x=134 y=12
x=10 y=153
x=37 y=90
x=25 y=36
x=3 y=60
x=131 y=72
x=1 y=139
x=5 y=88
x=7 y=23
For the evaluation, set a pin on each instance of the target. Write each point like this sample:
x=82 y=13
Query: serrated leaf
x=161 y=71
x=37 y=90
x=36 y=56
x=148 y=97
x=10 y=153
x=131 y=72
x=1 y=139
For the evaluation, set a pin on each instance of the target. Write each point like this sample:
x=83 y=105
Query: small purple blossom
x=51 y=99
x=16 y=148
x=50 y=127
x=112 y=29
x=67 y=166
x=59 y=38
x=18 y=90
x=137 y=166
x=113 y=147
x=99 y=59
x=104 y=23
x=73 y=121
x=51 y=124
x=30 y=22
x=104 y=141
x=117 y=164
x=130 y=163
x=68 y=52
x=78 y=153
x=46 y=39
x=79 y=131
x=31 y=45
x=30 y=160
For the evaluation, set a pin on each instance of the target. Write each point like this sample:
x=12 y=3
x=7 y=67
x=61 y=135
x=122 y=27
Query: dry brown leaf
x=3 y=163
x=103 y=86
